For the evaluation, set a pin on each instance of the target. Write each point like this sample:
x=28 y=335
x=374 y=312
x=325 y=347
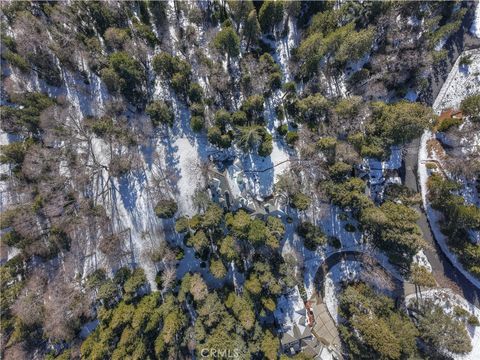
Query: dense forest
x=174 y=173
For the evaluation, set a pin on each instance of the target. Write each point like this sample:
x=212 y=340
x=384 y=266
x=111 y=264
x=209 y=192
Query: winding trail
x=354 y=255
x=445 y=273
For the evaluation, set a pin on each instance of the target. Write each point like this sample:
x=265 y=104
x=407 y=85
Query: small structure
x=450 y=114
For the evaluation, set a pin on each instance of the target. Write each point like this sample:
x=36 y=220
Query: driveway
x=444 y=272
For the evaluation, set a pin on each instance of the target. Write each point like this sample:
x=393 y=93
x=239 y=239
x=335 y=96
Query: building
x=294 y=327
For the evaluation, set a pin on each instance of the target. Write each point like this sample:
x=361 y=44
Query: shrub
x=197 y=109
x=275 y=81
x=222 y=118
x=125 y=74
x=291 y=138
x=215 y=137
x=253 y=107
x=473 y=320
x=195 y=93
x=335 y=242
x=160 y=113
x=446 y=124
x=166 y=208
x=312 y=235
x=181 y=225
x=239 y=118
x=17 y=61
x=227 y=42
x=13 y=153
x=145 y=32
x=340 y=171
x=470 y=107
x=350 y=227
x=115 y=37
x=168 y=65
x=326 y=143
x=282 y=129
x=266 y=146
x=300 y=201
x=197 y=123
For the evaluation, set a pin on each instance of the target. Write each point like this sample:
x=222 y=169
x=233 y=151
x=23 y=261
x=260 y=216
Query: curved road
x=444 y=271
x=351 y=255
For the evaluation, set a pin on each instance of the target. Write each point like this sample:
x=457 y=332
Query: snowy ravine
x=447 y=299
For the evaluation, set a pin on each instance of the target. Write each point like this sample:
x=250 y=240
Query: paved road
x=352 y=255
x=443 y=270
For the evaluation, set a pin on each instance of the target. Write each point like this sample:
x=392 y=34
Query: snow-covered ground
x=350 y=270
x=342 y=272
x=377 y=170
x=448 y=300
x=460 y=83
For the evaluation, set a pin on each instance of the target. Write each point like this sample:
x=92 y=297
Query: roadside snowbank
x=344 y=271
x=434 y=216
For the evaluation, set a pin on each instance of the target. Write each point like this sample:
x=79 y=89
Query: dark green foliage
x=441 y=331
x=300 y=201
x=160 y=113
x=458 y=219
x=166 y=208
x=222 y=118
x=282 y=129
x=313 y=236
x=338 y=44
x=394 y=229
x=227 y=42
x=249 y=137
x=197 y=123
x=446 y=124
x=436 y=34
x=239 y=118
x=340 y=171
x=266 y=145
x=176 y=71
x=373 y=327
x=253 y=107
x=470 y=107
x=27 y=118
x=215 y=137
x=252 y=28
x=313 y=109
x=16 y=60
x=270 y=14
x=291 y=138
x=125 y=74
x=145 y=32
x=195 y=93
x=14 y=153
x=400 y=122
x=181 y=225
